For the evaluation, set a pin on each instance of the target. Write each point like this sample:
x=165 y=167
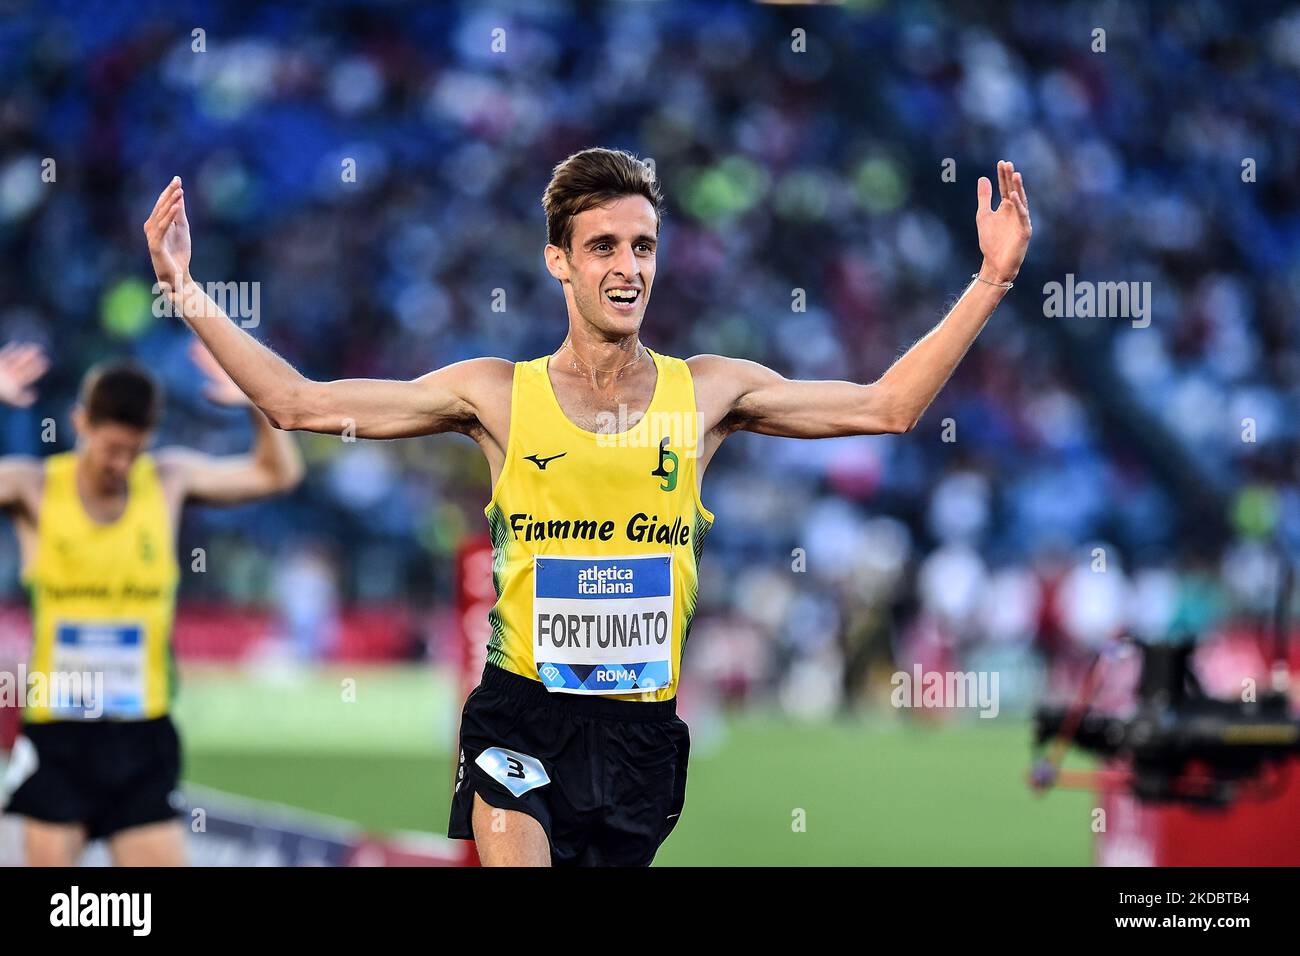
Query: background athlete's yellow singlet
x=103 y=595
x=597 y=541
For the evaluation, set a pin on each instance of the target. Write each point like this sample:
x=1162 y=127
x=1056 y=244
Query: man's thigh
x=53 y=844
x=508 y=837
x=152 y=844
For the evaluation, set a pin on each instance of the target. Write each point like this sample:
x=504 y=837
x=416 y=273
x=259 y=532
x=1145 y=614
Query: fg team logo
x=667 y=468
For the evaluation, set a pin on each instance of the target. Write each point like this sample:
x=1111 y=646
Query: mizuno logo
x=541 y=463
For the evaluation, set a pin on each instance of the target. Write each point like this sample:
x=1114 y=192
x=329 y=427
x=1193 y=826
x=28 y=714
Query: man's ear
x=79 y=420
x=557 y=262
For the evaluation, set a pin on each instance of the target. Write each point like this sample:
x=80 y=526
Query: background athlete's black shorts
x=606 y=779
x=108 y=775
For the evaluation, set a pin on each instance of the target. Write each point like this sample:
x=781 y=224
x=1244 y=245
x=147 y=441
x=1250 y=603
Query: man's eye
x=601 y=247
x=645 y=247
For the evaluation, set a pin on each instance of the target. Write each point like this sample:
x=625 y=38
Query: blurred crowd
x=1078 y=478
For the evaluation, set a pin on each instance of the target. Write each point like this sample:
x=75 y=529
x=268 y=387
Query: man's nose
x=625 y=263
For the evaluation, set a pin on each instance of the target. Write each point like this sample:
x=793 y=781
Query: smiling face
x=609 y=267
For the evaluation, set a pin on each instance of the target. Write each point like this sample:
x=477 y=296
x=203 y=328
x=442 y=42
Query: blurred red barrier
x=475 y=595
x=213 y=632
x=217 y=632
x=1251 y=832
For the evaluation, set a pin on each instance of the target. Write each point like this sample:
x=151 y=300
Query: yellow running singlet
x=597 y=540
x=102 y=600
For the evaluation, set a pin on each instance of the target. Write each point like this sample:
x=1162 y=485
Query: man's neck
x=600 y=361
x=93 y=493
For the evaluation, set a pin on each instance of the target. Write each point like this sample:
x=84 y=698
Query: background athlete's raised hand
x=168 y=232
x=220 y=387
x=1004 y=234
x=20 y=367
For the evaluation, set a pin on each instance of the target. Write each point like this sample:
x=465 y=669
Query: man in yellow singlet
x=98 y=757
x=570 y=750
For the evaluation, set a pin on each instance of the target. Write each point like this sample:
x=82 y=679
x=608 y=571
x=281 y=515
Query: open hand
x=1004 y=234
x=220 y=388
x=168 y=232
x=20 y=367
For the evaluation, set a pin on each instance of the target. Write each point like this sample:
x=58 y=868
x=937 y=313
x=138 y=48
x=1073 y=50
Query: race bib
x=98 y=670
x=603 y=625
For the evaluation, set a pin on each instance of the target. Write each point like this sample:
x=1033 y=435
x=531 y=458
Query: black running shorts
x=605 y=778
x=108 y=775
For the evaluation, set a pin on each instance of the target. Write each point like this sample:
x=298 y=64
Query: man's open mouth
x=623 y=298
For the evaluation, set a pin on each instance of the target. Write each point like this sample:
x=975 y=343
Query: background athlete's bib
x=103 y=668
x=603 y=625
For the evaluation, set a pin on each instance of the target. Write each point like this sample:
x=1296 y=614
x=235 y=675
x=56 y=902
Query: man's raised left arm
x=760 y=400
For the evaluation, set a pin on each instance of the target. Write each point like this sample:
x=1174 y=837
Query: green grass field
x=878 y=792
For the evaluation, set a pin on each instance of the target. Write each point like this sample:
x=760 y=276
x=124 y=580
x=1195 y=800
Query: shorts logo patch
x=517 y=772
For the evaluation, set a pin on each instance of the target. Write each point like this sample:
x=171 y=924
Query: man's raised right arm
x=440 y=401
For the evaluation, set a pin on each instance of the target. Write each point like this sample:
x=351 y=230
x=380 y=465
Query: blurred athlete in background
x=99 y=757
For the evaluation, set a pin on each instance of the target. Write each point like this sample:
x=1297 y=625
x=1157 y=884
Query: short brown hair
x=123 y=392
x=592 y=178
